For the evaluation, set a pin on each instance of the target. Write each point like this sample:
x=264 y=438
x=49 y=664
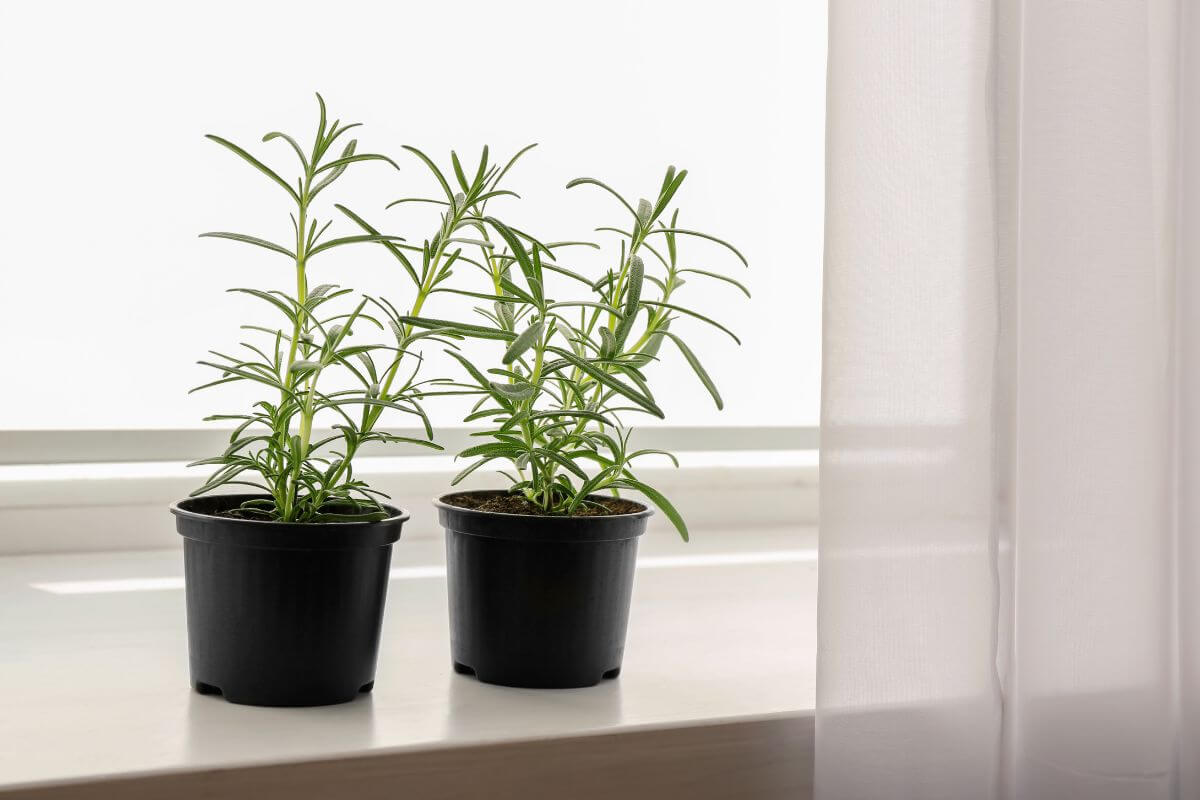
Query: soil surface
x=237 y=513
x=516 y=504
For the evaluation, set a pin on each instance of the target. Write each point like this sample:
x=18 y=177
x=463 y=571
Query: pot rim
x=539 y=527
x=177 y=508
x=440 y=502
x=208 y=527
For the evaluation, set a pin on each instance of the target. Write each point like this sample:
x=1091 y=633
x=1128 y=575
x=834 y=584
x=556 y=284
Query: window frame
x=64 y=491
x=63 y=446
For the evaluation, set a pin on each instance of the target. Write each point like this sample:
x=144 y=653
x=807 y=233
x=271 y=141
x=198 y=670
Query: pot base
x=522 y=681
x=258 y=700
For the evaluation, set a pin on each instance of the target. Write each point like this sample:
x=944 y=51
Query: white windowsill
x=716 y=692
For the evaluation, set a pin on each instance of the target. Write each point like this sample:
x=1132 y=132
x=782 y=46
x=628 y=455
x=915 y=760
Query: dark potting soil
x=237 y=513
x=516 y=504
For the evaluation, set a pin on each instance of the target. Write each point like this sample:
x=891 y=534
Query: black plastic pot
x=539 y=602
x=283 y=614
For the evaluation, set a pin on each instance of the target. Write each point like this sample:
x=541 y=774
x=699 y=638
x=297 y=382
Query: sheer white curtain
x=1010 y=476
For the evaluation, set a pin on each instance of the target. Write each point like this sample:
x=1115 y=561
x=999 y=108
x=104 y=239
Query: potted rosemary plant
x=541 y=572
x=286 y=585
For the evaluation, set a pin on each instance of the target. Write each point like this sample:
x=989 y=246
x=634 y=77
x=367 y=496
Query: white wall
x=108 y=297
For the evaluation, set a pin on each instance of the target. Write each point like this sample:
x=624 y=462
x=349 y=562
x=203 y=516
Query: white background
x=108 y=296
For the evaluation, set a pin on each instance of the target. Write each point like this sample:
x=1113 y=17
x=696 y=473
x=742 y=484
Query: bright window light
x=110 y=179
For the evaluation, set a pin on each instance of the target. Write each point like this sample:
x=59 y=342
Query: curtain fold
x=1008 y=552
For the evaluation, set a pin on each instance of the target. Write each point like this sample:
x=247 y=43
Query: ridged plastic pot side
x=539 y=601
x=283 y=614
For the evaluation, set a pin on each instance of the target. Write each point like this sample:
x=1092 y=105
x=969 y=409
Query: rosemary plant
x=570 y=367
x=273 y=448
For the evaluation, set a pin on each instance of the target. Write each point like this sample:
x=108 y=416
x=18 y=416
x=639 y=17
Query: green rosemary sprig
x=272 y=448
x=571 y=367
